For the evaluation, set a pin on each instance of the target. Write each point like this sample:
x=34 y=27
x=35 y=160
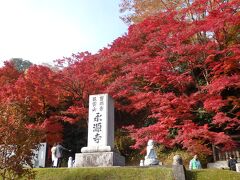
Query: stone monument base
x=99 y=159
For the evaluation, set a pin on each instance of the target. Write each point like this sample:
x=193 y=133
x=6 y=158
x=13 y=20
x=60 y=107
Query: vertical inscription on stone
x=97 y=128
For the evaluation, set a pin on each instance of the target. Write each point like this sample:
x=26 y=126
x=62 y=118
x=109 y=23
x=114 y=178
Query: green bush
x=166 y=156
x=123 y=145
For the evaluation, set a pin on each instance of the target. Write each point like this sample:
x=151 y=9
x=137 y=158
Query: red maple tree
x=38 y=88
x=176 y=75
x=182 y=69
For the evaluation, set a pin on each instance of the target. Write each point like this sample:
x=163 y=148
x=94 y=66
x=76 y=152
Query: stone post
x=179 y=171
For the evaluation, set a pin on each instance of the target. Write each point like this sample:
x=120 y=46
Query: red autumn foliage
x=177 y=74
x=181 y=67
x=38 y=89
x=17 y=141
x=8 y=74
x=80 y=79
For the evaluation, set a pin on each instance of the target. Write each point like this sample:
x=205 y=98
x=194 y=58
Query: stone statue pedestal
x=96 y=159
x=151 y=162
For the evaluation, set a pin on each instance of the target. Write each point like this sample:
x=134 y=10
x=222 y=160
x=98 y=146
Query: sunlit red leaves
x=220 y=119
x=194 y=138
x=80 y=79
x=17 y=140
x=183 y=66
x=8 y=74
x=74 y=114
x=157 y=131
x=53 y=129
x=214 y=103
x=173 y=66
x=38 y=87
x=223 y=82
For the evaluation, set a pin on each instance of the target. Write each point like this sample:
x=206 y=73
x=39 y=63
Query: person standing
x=195 y=163
x=54 y=157
x=232 y=163
x=59 y=153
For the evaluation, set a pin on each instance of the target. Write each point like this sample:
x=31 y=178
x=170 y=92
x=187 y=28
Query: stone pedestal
x=99 y=159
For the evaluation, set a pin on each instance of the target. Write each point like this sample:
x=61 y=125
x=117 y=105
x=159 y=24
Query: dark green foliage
x=123 y=145
x=75 y=136
x=20 y=64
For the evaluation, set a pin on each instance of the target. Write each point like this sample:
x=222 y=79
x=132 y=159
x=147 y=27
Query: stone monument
x=100 y=145
x=151 y=157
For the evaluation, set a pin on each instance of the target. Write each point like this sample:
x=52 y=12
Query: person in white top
x=54 y=157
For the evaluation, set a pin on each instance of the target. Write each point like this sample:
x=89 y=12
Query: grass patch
x=105 y=173
x=213 y=174
x=130 y=173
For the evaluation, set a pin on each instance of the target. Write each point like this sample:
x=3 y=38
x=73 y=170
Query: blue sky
x=44 y=30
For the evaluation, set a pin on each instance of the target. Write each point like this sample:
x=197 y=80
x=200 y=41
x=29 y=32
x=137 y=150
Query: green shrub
x=166 y=156
x=123 y=145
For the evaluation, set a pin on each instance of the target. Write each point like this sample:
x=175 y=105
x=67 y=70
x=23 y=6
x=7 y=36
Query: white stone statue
x=151 y=157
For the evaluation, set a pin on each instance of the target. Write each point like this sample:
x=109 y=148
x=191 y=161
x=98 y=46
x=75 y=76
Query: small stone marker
x=70 y=162
x=100 y=145
x=179 y=171
x=238 y=167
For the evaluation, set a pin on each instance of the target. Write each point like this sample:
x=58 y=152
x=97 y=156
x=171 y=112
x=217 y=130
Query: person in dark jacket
x=59 y=153
x=232 y=163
